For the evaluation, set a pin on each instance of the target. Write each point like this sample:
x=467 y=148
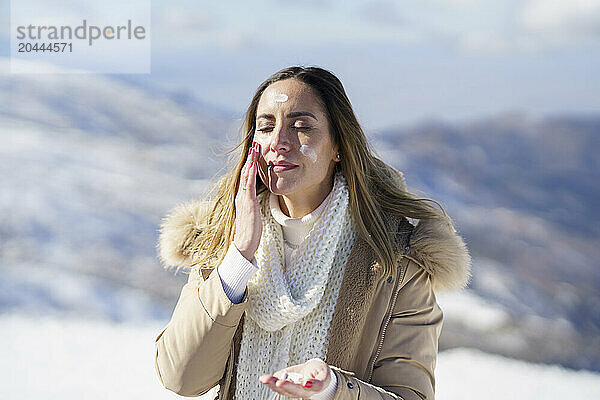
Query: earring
x=338 y=156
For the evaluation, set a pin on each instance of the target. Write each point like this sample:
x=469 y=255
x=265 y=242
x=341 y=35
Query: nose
x=279 y=140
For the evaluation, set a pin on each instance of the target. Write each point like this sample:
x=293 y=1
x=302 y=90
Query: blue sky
x=399 y=61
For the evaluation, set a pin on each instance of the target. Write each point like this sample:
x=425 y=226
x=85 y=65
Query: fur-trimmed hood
x=434 y=244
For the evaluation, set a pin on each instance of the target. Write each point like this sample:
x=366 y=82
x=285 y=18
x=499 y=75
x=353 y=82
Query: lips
x=281 y=166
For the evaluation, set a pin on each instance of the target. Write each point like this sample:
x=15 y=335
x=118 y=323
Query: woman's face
x=292 y=127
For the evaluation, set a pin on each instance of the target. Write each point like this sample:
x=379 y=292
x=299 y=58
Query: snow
x=472 y=310
x=51 y=291
x=51 y=358
x=471 y=374
x=77 y=358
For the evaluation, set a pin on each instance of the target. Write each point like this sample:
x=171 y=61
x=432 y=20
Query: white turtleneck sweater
x=295 y=230
x=235 y=270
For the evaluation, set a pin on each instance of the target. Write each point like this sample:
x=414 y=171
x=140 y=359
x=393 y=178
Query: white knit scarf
x=290 y=309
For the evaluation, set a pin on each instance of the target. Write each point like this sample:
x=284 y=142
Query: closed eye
x=302 y=128
x=270 y=128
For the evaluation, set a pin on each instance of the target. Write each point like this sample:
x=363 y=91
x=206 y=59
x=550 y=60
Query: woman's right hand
x=248 y=223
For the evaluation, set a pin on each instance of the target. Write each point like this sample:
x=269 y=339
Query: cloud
x=472 y=26
x=459 y=3
x=534 y=26
x=186 y=19
x=318 y=4
x=191 y=28
x=555 y=22
x=483 y=42
x=381 y=12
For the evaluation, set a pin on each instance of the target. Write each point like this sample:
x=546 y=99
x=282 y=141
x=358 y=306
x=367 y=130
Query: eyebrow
x=290 y=115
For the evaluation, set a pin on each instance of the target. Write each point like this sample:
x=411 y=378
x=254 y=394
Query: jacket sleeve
x=193 y=349
x=404 y=369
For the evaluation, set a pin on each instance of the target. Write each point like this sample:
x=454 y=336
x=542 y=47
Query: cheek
x=262 y=140
x=309 y=152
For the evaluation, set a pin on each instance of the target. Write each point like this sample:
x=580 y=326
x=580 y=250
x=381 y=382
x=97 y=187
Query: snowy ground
x=471 y=374
x=62 y=358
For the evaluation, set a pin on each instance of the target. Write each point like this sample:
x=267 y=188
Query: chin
x=284 y=187
x=282 y=191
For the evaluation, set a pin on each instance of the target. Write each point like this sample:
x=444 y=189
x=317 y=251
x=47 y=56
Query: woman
x=307 y=281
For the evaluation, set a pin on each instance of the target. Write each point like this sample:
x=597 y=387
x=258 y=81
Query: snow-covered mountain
x=90 y=165
x=523 y=192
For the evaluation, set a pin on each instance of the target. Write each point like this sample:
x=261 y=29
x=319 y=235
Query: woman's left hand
x=302 y=380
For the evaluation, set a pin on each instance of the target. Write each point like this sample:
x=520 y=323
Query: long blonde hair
x=374 y=187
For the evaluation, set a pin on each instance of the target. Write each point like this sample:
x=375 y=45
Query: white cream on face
x=308 y=152
x=280 y=97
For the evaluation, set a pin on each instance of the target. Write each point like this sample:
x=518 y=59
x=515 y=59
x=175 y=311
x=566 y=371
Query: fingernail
x=308 y=384
x=251 y=163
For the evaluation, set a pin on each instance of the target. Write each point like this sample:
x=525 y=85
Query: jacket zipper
x=388 y=317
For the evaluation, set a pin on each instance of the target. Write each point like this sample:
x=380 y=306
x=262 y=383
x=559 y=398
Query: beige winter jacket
x=383 y=338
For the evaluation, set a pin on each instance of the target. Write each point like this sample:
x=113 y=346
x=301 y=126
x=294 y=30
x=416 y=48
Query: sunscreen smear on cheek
x=308 y=152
